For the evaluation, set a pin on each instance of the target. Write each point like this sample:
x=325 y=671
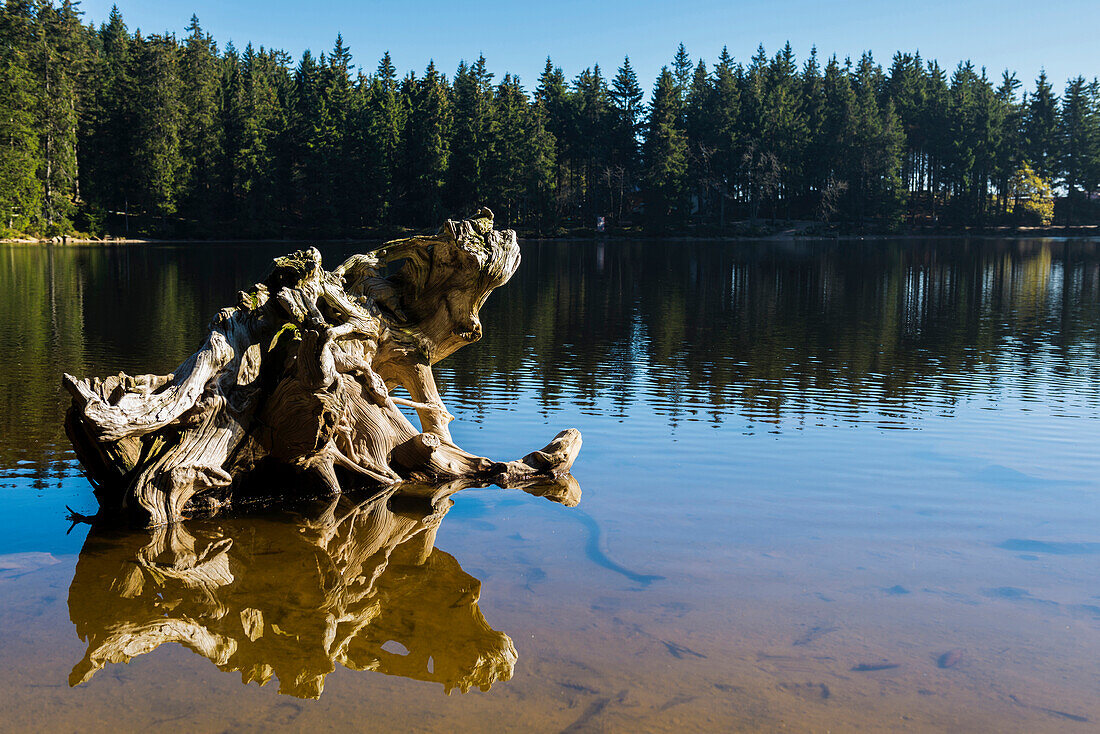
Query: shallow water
x=823 y=486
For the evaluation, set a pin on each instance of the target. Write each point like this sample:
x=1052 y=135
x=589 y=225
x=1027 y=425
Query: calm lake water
x=846 y=486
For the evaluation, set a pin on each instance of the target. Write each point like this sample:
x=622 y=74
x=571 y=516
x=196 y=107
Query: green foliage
x=1033 y=201
x=1079 y=141
x=20 y=194
x=624 y=162
x=201 y=144
x=109 y=131
x=383 y=123
x=157 y=160
x=427 y=143
x=665 y=156
x=1041 y=127
x=473 y=136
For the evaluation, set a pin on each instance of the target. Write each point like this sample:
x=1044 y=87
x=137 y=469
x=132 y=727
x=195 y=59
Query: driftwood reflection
x=359 y=584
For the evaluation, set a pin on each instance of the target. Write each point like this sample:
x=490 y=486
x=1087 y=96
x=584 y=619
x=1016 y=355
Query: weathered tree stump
x=298 y=374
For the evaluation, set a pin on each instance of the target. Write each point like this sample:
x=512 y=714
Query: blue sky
x=516 y=36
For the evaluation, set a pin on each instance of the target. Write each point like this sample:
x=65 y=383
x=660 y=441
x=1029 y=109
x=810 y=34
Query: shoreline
x=1086 y=232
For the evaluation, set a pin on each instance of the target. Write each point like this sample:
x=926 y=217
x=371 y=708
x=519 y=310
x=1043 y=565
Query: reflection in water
x=359 y=583
x=788 y=334
x=736 y=397
x=772 y=332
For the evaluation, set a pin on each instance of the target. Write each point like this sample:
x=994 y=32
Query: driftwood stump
x=298 y=374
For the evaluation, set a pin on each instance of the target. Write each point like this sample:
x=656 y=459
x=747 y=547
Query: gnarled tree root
x=299 y=374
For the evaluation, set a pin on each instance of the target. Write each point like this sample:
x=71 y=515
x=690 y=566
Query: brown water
x=831 y=486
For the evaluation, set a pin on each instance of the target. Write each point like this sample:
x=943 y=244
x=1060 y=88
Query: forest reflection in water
x=351 y=582
x=762 y=331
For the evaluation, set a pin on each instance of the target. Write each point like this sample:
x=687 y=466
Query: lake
x=824 y=485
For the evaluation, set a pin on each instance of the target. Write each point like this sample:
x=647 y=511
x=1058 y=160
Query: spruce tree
x=591 y=149
x=839 y=142
x=1041 y=128
x=1078 y=143
x=427 y=147
x=783 y=124
x=98 y=123
x=473 y=136
x=309 y=128
x=385 y=120
x=107 y=178
x=878 y=142
x=508 y=165
x=906 y=88
x=20 y=190
x=725 y=114
x=682 y=71
x=700 y=136
x=156 y=154
x=541 y=169
x=201 y=145
x=814 y=173
x=665 y=154
x=60 y=56
x=936 y=123
x=626 y=110
x=1008 y=153
x=553 y=96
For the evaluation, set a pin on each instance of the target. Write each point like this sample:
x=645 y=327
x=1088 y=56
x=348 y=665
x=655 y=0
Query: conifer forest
x=105 y=130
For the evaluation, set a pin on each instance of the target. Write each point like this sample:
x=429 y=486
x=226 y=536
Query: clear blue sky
x=1060 y=35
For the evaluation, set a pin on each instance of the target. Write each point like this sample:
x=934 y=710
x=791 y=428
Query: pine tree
x=20 y=191
x=1078 y=142
x=1041 y=128
x=473 y=136
x=665 y=153
x=427 y=147
x=156 y=154
x=309 y=130
x=682 y=71
x=60 y=56
x=541 y=169
x=201 y=145
x=726 y=114
x=1008 y=153
x=626 y=111
x=385 y=120
x=508 y=165
x=591 y=149
x=107 y=178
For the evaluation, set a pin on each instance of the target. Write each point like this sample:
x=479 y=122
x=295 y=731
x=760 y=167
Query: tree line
x=104 y=129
